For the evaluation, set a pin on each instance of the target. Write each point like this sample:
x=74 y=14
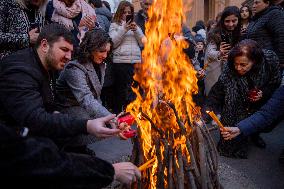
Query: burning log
x=199 y=172
x=183 y=151
x=152 y=123
x=180 y=169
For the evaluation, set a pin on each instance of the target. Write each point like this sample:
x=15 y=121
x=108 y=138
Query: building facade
x=200 y=10
x=208 y=9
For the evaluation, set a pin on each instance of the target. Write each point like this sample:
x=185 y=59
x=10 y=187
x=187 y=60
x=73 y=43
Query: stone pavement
x=261 y=170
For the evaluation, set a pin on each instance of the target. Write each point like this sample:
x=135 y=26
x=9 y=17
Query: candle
x=146 y=165
x=215 y=118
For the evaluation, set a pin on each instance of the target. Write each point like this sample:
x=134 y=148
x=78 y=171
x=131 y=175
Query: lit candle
x=216 y=119
x=147 y=165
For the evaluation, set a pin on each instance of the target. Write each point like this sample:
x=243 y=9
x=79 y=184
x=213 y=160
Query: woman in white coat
x=127 y=43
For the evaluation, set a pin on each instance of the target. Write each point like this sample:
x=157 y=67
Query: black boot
x=258 y=141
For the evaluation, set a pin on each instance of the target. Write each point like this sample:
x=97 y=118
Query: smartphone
x=226 y=38
x=129 y=17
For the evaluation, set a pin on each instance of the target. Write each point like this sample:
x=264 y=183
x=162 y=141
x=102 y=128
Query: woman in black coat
x=267 y=27
x=247 y=82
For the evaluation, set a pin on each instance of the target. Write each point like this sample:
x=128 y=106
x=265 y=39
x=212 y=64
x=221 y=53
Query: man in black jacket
x=142 y=16
x=27 y=99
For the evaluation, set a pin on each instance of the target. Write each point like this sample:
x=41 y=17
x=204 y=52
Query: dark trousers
x=123 y=79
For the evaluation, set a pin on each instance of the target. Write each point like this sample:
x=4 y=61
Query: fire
x=166 y=75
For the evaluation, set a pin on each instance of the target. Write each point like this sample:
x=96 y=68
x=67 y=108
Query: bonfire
x=173 y=147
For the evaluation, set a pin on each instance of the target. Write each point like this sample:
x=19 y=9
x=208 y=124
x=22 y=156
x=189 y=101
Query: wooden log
x=211 y=146
x=170 y=161
x=192 y=159
x=202 y=160
x=166 y=155
x=189 y=174
x=180 y=168
x=160 y=173
x=161 y=133
x=179 y=122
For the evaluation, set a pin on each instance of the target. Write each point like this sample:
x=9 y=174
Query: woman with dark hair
x=127 y=42
x=220 y=40
x=79 y=85
x=248 y=80
x=246 y=15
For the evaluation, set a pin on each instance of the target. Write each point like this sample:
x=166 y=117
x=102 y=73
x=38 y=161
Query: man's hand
x=97 y=127
x=126 y=173
x=33 y=35
x=230 y=133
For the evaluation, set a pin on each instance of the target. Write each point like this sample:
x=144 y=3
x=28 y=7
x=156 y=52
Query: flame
x=166 y=74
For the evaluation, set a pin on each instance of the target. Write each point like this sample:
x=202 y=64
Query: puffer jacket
x=126 y=44
x=267 y=29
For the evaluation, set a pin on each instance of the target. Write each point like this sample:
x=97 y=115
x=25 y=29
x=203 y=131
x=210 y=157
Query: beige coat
x=213 y=66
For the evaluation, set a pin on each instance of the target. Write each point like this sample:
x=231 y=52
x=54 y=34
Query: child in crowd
x=198 y=63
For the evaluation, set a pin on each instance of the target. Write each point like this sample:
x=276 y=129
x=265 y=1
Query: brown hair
x=119 y=12
x=248 y=48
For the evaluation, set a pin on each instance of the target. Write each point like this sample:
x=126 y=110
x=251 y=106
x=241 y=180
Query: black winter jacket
x=26 y=98
x=267 y=29
x=36 y=162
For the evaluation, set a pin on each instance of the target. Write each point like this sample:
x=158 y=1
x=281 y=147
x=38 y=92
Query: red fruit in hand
x=129 y=134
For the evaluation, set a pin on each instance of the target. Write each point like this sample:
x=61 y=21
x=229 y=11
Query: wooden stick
x=152 y=123
x=180 y=168
x=170 y=167
x=202 y=160
x=180 y=124
x=160 y=173
x=189 y=173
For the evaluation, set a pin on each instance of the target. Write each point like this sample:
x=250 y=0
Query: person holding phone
x=127 y=39
x=219 y=42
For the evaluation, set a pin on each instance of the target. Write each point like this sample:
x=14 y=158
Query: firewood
x=160 y=173
x=180 y=168
x=189 y=174
x=152 y=123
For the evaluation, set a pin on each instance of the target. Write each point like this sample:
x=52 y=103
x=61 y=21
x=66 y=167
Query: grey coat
x=79 y=85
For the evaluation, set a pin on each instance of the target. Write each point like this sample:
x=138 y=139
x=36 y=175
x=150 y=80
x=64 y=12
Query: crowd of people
x=67 y=66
